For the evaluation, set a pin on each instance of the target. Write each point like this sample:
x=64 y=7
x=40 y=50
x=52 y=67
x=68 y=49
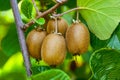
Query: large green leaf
x=53 y=74
x=102 y=16
x=105 y=64
x=10 y=43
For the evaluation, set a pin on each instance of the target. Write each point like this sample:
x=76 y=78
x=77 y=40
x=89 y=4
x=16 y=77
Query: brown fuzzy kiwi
x=77 y=38
x=34 y=41
x=53 y=49
x=62 y=26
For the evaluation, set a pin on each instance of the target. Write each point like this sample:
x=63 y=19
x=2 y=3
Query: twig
x=36 y=8
x=44 y=13
x=74 y=9
x=19 y=25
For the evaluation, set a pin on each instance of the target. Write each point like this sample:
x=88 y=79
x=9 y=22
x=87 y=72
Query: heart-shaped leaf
x=105 y=65
x=53 y=74
x=102 y=16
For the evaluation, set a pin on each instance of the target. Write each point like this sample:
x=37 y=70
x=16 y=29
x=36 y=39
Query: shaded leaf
x=39 y=69
x=118 y=32
x=105 y=64
x=114 y=42
x=26 y=8
x=5 y=4
x=53 y=74
x=96 y=43
x=10 y=43
x=102 y=16
x=3 y=59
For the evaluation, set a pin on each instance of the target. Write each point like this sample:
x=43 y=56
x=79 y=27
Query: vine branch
x=45 y=13
x=19 y=25
x=74 y=9
x=36 y=8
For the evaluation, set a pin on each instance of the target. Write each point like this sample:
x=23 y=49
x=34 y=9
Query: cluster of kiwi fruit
x=51 y=44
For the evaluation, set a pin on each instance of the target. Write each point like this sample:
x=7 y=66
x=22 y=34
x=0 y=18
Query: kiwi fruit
x=62 y=26
x=77 y=38
x=34 y=41
x=53 y=49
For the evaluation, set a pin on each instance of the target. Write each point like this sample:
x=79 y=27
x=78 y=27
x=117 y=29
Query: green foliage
x=102 y=16
x=96 y=43
x=40 y=21
x=39 y=69
x=5 y=5
x=10 y=43
x=53 y=74
x=114 y=43
x=3 y=59
x=26 y=8
x=105 y=64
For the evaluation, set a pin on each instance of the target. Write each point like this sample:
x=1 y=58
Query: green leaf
x=96 y=43
x=13 y=76
x=39 y=69
x=102 y=16
x=3 y=59
x=105 y=64
x=10 y=43
x=26 y=8
x=114 y=42
x=118 y=32
x=53 y=74
x=40 y=21
x=5 y=4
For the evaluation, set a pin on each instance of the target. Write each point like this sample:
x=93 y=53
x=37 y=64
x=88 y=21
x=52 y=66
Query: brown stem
x=19 y=25
x=36 y=8
x=74 y=9
x=56 y=25
x=44 y=13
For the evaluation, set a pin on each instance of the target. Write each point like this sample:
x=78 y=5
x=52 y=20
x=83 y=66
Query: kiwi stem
x=56 y=25
x=77 y=17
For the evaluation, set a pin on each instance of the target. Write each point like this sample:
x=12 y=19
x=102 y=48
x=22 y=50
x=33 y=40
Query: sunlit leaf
x=40 y=21
x=14 y=63
x=53 y=74
x=102 y=16
x=105 y=64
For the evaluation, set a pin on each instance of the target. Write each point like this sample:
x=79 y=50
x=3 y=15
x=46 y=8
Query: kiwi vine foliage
x=100 y=62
